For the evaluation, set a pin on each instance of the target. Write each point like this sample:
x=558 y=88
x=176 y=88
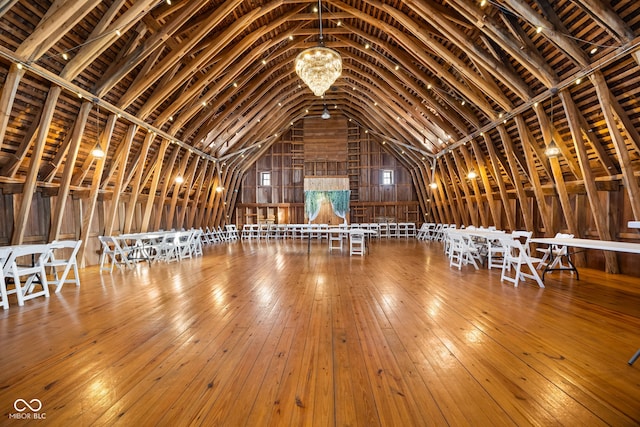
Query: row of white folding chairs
x=512 y=250
x=434 y=231
x=33 y=268
x=125 y=250
x=219 y=235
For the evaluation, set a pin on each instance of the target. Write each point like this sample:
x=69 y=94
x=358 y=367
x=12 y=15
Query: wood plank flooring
x=264 y=334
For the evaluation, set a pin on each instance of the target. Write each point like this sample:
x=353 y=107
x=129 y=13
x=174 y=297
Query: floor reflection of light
x=474 y=336
x=98 y=390
x=434 y=308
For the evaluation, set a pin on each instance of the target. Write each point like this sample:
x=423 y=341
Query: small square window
x=265 y=179
x=387 y=177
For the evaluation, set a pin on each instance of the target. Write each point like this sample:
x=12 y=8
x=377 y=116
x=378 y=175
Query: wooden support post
x=69 y=164
x=135 y=185
x=176 y=192
x=87 y=217
x=533 y=175
x=630 y=181
x=517 y=183
x=153 y=187
x=9 y=90
x=497 y=176
x=196 y=196
x=488 y=191
x=597 y=211
x=29 y=187
x=188 y=184
x=169 y=178
x=121 y=160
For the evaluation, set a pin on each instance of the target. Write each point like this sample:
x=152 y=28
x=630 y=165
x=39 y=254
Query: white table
x=605 y=245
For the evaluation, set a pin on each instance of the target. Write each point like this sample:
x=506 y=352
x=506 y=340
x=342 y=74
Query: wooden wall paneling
x=29 y=187
x=515 y=178
x=119 y=162
x=630 y=181
x=597 y=211
x=171 y=216
x=534 y=179
x=136 y=182
x=488 y=190
x=9 y=90
x=462 y=176
x=498 y=178
x=67 y=173
x=169 y=177
x=198 y=193
x=463 y=217
x=187 y=185
x=151 y=199
x=88 y=213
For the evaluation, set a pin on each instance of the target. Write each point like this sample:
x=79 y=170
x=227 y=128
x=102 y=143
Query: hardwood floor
x=258 y=334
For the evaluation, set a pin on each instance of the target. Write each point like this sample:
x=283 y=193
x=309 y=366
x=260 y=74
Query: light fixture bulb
x=325 y=113
x=552 y=149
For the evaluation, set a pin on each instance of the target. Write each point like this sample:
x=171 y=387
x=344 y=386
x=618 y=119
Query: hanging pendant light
x=319 y=67
x=97 y=152
x=552 y=149
x=325 y=113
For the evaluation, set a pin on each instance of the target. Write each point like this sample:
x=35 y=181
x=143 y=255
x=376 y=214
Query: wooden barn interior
x=134 y=116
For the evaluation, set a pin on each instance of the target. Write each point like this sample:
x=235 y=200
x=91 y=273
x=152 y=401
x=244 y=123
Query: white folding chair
x=5 y=252
x=462 y=251
x=555 y=253
x=113 y=253
x=516 y=257
x=356 y=242
x=63 y=257
x=32 y=270
x=335 y=239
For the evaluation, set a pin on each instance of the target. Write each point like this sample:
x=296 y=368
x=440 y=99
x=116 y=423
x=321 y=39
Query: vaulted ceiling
x=216 y=78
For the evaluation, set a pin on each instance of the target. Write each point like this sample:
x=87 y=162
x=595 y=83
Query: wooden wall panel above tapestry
x=325 y=139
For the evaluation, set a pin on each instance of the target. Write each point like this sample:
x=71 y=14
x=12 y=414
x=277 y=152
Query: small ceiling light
x=483 y=3
x=235 y=84
x=315 y=9
x=97 y=152
x=472 y=174
x=578 y=81
x=538 y=30
x=397 y=67
x=433 y=185
x=65 y=56
x=118 y=33
x=179 y=179
x=367 y=46
x=339 y=23
x=169 y=2
x=594 y=50
x=219 y=189
x=290 y=37
x=264 y=62
x=170 y=118
x=325 y=113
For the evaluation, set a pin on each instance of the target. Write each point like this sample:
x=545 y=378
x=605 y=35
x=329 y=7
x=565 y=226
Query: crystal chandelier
x=319 y=66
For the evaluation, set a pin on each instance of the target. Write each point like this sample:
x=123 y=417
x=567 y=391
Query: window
x=387 y=177
x=265 y=178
